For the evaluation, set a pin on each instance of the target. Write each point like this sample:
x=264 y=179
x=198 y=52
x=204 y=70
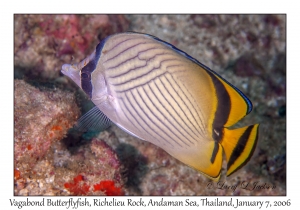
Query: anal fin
x=208 y=160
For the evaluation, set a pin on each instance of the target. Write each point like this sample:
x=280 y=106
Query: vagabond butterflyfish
x=160 y=94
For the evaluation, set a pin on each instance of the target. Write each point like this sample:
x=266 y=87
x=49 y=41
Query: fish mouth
x=72 y=72
x=65 y=69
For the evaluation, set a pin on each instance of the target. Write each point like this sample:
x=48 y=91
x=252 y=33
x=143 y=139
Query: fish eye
x=84 y=75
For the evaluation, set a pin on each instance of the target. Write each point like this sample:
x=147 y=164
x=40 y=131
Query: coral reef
x=42 y=162
x=247 y=50
x=45 y=158
x=42 y=117
x=85 y=169
x=43 y=43
x=93 y=168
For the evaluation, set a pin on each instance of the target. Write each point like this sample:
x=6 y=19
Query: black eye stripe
x=87 y=70
x=86 y=83
x=85 y=75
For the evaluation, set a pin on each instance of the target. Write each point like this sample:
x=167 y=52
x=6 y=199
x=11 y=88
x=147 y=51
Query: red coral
x=78 y=187
x=17 y=174
x=56 y=128
x=108 y=187
x=29 y=147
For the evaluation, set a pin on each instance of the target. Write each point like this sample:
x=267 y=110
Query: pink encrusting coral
x=44 y=42
x=105 y=153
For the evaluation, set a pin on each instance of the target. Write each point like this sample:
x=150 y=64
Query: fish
x=160 y=94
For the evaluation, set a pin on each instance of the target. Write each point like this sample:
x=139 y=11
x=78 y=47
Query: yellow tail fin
x=239 y=145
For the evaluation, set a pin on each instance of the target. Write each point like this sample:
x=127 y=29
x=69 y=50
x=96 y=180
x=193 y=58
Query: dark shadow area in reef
x=135 y=165
x=75 y=138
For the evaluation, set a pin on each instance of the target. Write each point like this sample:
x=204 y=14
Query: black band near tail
x=240 y=146
x=223 y=108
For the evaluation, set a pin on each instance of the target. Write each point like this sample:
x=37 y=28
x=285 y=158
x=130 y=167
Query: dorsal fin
x=232 y=103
